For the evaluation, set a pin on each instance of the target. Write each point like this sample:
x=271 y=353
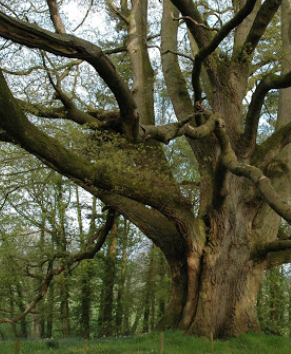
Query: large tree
x=219 y=246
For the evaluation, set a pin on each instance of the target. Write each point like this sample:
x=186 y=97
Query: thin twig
x=85 y=17
x=195 y=22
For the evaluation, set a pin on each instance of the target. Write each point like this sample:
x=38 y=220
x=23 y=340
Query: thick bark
x=229 y=277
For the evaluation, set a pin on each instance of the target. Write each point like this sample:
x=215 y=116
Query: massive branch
x=213 y=45
x=104 y=174
x=72 y=47
x=261 y=22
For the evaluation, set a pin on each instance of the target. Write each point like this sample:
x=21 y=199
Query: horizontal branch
x=89 y=253
x=179 y=54
x=40 y=67
x=170 y=131
x=277 y=258
x=195 y=23
x=73 y=114
x=264 y=248
x=70 y=46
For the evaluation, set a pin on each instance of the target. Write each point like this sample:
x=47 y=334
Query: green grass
x=174 y=343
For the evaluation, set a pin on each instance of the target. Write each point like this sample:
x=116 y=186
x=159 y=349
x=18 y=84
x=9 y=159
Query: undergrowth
x=174 y=343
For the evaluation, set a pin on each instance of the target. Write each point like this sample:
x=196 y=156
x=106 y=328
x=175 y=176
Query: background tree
x=219 y=246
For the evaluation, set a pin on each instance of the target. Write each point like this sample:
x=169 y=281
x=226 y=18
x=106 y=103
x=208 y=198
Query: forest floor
x=173 y=343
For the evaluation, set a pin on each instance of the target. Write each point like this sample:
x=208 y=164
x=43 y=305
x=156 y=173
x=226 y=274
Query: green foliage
x=273 y=314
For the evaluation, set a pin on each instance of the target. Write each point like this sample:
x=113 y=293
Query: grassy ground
x=174 y=343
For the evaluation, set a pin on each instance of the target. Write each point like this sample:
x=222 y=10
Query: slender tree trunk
x=149 y=300
x=50 y=312
x=121 y=285
x=108 y=284
x=21 y=305
x=86 y=294
x=162 y=281
x=86 y=273
x=65 y=312
x=153 y=269
x=12 y=311
x=127 y=306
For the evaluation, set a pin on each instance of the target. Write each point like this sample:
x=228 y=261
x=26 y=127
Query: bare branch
x=55 y=16
x=117 y=12
x=85 y=17
x=39 y=67
x=93 y=120
x=115 y=50
x=72 y=47
x=179 y=54
x=195 y=22
x=211 y=47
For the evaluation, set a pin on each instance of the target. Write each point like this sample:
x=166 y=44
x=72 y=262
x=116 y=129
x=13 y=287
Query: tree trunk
x=50 y=312
x=106 y=318
x=121 y=285
x=218 y=294
x=86 y=295
x=65 y=315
